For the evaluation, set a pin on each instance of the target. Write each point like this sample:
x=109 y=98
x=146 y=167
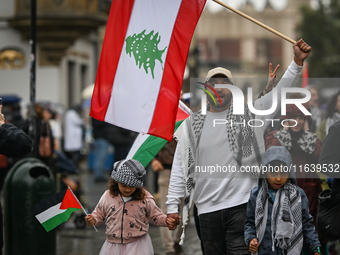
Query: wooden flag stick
x=255 y=21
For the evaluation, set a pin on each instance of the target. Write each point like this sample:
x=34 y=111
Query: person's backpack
x=45 y=146
x=328 y=219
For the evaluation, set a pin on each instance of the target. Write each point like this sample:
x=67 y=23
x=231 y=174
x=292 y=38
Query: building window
x=84 y=76
x=268 y=51
x=229 y=52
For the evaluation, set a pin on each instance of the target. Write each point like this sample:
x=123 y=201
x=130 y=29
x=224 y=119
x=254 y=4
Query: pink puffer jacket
x=126 y=222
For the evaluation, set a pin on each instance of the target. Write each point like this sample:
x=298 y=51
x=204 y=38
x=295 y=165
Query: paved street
x=73 y=241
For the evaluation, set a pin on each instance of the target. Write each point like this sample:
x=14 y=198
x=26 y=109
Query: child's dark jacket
x=265 y=247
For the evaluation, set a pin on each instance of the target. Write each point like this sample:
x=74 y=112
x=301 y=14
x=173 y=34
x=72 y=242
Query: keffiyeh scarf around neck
x=243 y=143
x=286 y=218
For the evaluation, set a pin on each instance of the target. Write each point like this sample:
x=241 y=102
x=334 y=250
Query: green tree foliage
x=320 y=28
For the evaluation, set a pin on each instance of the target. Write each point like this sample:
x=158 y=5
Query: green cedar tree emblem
x=145 y=50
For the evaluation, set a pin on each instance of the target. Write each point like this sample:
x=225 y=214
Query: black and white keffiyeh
x=286 y=218
x=306 y=142
x=242 y=140
x=129 y=172
x=284 y=137
x=241 y=137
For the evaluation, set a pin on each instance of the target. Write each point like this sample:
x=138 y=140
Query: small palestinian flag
x=56 y=209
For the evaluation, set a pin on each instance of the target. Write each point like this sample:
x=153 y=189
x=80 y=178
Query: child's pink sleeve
x=99 y=212
x=155 y=214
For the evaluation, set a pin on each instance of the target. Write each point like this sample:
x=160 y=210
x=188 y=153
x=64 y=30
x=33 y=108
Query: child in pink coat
x=126 y=207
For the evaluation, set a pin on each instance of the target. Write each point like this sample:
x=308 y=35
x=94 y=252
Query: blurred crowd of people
x=72 y=136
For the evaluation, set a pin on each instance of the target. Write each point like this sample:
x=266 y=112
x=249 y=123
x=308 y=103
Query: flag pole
x=255 y=21
x=81 y=206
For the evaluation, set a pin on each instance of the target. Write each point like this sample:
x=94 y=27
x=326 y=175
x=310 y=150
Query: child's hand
x=253 y=245
x=90 y=220
x=172 y=223
x=174 y=216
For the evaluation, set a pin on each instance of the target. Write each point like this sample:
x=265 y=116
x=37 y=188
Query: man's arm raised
x=301 y=51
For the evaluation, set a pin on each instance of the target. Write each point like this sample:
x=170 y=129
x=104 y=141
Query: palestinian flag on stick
x=56 y=209
x=142 y=63
x=146 y=147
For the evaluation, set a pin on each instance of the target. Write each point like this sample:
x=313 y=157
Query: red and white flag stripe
x=142 y=94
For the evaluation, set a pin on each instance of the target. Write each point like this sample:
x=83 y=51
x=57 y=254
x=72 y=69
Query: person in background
x=11 y=108
x=73 y=133
x=122 y=140
x=13 y=143
x=317 y=114
x=64 y=165
x=332 y=116
x=16 y=118
x=56 y=129
x=43 y=129
x=102 y=133
x=330 y=157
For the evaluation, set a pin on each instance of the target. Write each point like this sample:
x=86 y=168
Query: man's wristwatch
x=317 y=250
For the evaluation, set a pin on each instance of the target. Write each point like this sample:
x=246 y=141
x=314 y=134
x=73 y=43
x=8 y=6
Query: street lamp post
x=32 y=127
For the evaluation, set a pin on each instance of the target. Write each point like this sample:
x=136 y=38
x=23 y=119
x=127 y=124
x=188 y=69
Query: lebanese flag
x=146 y=147
x=56 y=209
x=142 y=64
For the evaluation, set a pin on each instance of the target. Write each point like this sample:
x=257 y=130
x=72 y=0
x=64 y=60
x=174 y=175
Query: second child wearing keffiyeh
x=278 y=219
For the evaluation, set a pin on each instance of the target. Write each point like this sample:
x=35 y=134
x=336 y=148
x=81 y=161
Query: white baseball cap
x=219 y=71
